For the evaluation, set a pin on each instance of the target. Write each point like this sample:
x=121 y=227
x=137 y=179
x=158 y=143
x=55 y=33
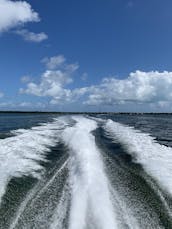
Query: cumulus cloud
x=153 y=88
x=32 y=37
x=14 y=13
x=138 y=87
x=53 y=62
x=53 y=81
x=51 y=84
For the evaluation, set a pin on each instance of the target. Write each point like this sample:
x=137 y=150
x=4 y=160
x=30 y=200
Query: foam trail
x=20 y=155
x=90 y=189
x=125 y=212
x=53 y=178
x=61 y=211
x=23 y=206
x=160 y=194
x=34 y=194
x=155 y=158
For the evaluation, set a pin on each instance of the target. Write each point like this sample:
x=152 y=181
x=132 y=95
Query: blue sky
x=92 y=55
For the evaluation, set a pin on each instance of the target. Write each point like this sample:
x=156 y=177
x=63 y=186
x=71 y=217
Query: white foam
x=156 y=159
x=61 y=211
x=20 y=155
x=125 y=214
x=35 y=193
x=90 y=189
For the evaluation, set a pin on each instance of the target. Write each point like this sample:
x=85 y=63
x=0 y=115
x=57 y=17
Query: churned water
x=85 y=171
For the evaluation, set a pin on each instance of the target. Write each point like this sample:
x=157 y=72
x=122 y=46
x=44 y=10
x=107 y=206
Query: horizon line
x=81 y=112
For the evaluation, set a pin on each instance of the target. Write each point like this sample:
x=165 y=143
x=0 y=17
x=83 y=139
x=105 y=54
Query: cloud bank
x=138 y=87
x=21 y=105
x=149 y=88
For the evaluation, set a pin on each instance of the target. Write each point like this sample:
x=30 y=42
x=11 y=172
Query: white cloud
x=59 y=62
x=22 y=105
x=71 y=67
x=14 y=13
x=53 y=82
x=32 y=37
x=30 y=105
x=138 y=87
x=148 y=88
x=54 y=62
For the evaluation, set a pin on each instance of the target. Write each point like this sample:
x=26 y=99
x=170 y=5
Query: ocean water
x=85 y=171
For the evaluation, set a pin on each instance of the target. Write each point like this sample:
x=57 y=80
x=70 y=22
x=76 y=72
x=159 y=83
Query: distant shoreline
x=65 y=113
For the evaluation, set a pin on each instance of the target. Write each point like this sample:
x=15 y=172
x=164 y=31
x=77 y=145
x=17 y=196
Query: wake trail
x=35 y=194
x=21 y=154
x=91 y=204
x=59 y=217
x=156 y=159
x=126 y=216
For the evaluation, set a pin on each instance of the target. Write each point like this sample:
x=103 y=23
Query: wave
x=21 y=154
x=156 y=159
x=91 y=205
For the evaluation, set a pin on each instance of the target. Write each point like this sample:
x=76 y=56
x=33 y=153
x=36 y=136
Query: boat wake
x=88 y=181
x=85 y=187
x=155 y=158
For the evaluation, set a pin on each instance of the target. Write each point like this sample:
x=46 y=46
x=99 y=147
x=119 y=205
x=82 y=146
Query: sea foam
x=20 y=154
x=91 y=205
x=156 y=159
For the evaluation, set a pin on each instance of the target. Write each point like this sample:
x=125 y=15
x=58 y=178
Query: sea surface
x=85 y=171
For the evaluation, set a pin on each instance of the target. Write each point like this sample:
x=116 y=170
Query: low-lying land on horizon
x=84 y=112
